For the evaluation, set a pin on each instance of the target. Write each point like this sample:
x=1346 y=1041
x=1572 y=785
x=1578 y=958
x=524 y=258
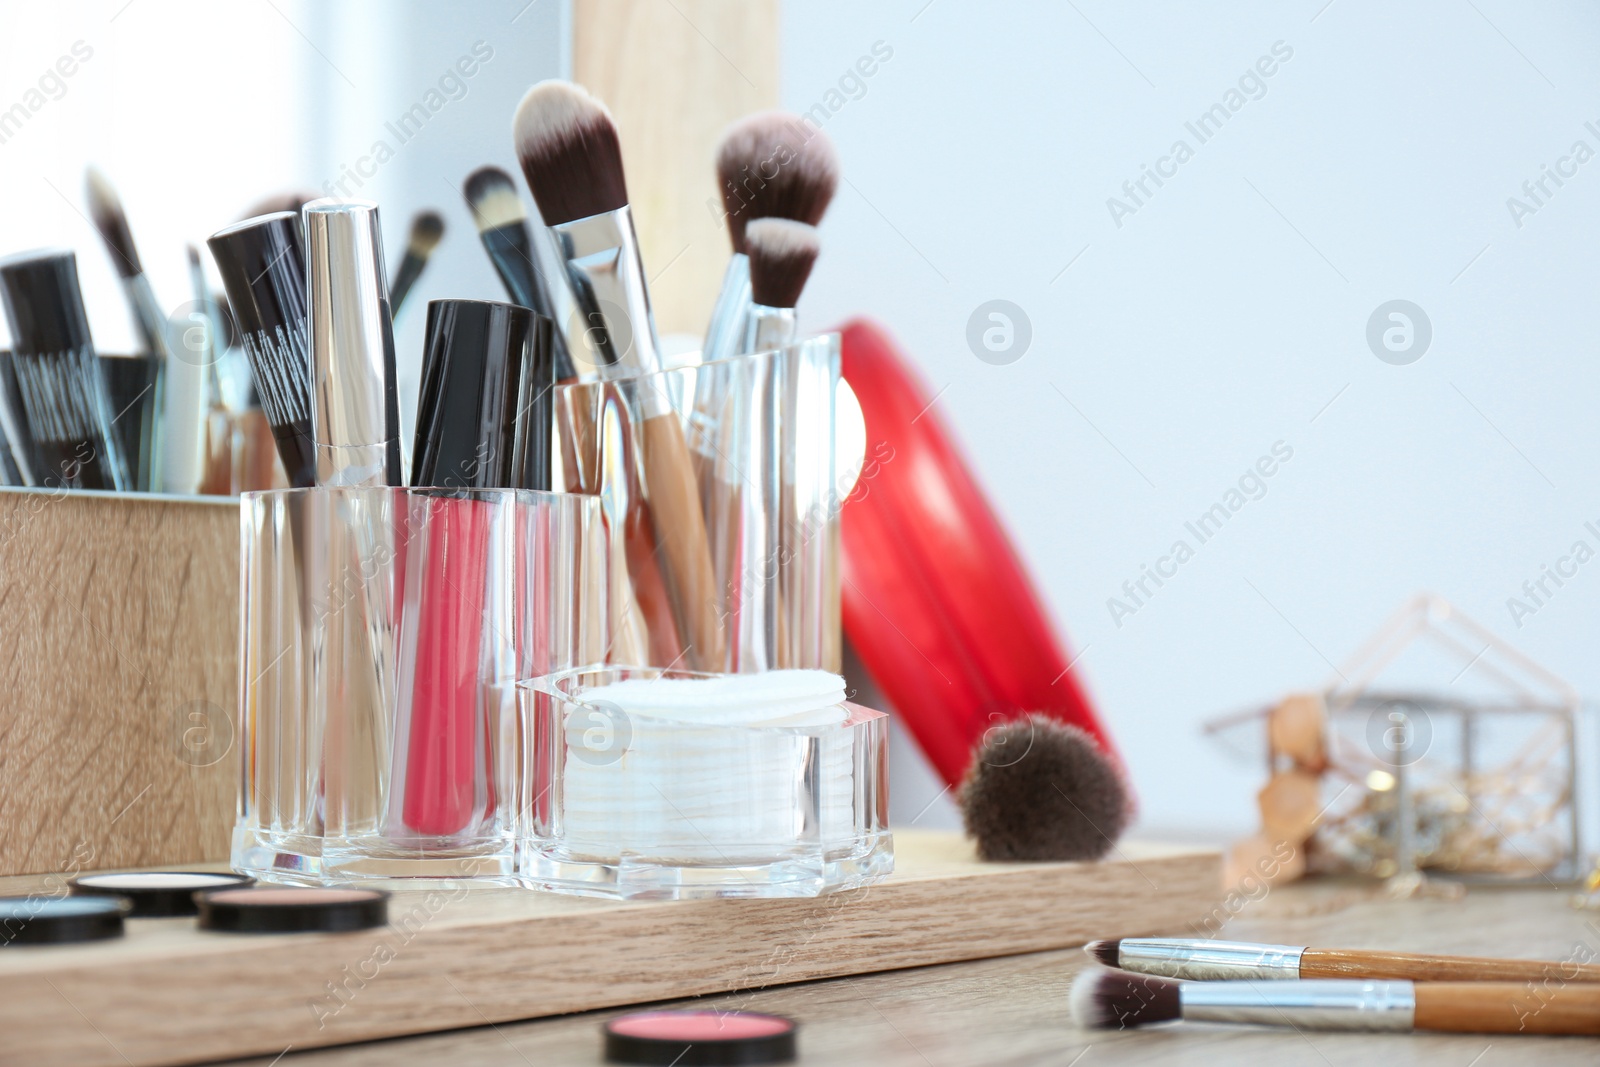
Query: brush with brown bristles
x=1197 y=958
x=105 y=208
x=567 y=145
x=1042 y=790
x=427 y=230
x=769 y=165
x=781 y=253
x=1117 y=1000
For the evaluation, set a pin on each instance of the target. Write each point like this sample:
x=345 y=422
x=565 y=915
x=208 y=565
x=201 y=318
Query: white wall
x=1229 y=313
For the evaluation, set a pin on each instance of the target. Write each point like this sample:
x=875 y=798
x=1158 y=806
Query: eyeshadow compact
x=59 y=920
x=156 y=894
x=291 y=910
x=687 y=1038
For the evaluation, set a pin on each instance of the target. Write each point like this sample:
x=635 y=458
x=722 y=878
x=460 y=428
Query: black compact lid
x=43 y=302
x=263 y=266
x=291 y=910
x=57 y=920
x=156 y=894
x=670 y=1037
x=483 y=414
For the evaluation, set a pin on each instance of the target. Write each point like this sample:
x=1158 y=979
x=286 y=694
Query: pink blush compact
x=700 y=1037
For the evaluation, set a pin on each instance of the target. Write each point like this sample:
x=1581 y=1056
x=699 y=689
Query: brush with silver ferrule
x=1118 y=1000
x=355 y=415
x=427 y=230
x=782 y=253
x=769 y=165
x=572 y=160
x=1196 y=958
x=58 y=376
x=105 y=209
x=263 y=266
x=523 y=257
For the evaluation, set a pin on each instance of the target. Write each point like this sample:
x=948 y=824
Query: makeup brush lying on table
x=1181 y=957
x=1118 y=1000
x=567 y=145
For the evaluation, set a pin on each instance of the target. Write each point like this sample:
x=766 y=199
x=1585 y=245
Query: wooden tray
x=169 y=993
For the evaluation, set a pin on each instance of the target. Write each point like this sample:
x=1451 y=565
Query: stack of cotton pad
x=716 y=770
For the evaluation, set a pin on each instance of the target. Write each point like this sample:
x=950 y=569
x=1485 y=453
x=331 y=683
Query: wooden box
x=119 y=619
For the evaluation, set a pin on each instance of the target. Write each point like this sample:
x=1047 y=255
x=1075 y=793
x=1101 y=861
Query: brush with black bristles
x=1117 y=1000
x=1203 y=958
x=109 y=219
x=58 y=376
x=572 y=160
x=1038 y=790
x=515 y=251
x=781 y=253
x=427 y=230
x=769 y=165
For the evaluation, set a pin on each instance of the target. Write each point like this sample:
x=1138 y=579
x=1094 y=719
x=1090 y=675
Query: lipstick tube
x=58 y=375
x=355 y=408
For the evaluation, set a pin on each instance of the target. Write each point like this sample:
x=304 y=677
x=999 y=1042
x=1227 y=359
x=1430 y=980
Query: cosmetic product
x=63 y=394
x=14 y=424
x=1041 y=790
x=149 y=321
x=570 y=156
x=205 y=334
x=781 y=254
x=186 y=404
x=126 y=381
x=936 y=602
x=523 y=257
x=355 y=413
x=156 y=894
x=483 y=413
x=1194 y=958
x=674 y=784
x=427 y=229
x=263 y=267
x=10 y=470
x=769 y=165
x=1116 y=1000
x=694 y=1037
x=291 y=910
x=37 y=920
x=484 y=407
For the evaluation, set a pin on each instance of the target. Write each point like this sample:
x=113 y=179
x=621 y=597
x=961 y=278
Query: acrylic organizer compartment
x=383 y=631
x=721 y=507
x=760 y=800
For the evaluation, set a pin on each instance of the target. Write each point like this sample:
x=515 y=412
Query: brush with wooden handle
x=1118 y=1000
x=567 y=145
x=1194 y=958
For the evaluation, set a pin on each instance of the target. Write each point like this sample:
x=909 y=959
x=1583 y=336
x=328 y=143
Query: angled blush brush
x=1119 y=1000
x=1194 y=958
x=570 y=155
x=427 y=230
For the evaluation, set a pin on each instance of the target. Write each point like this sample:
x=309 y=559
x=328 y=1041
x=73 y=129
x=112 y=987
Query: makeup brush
x=769 y=165
x=1181 y=957
x=192 y=356
x=14 y=422
x=781 y=253
x=427 y=229
x=1117 y=1000
x=567 y=145
x=1038 y=789
x=112 y=223
x=263 y=266
x=58 y=375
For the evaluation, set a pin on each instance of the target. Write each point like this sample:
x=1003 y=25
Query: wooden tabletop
x=1012 y=1011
